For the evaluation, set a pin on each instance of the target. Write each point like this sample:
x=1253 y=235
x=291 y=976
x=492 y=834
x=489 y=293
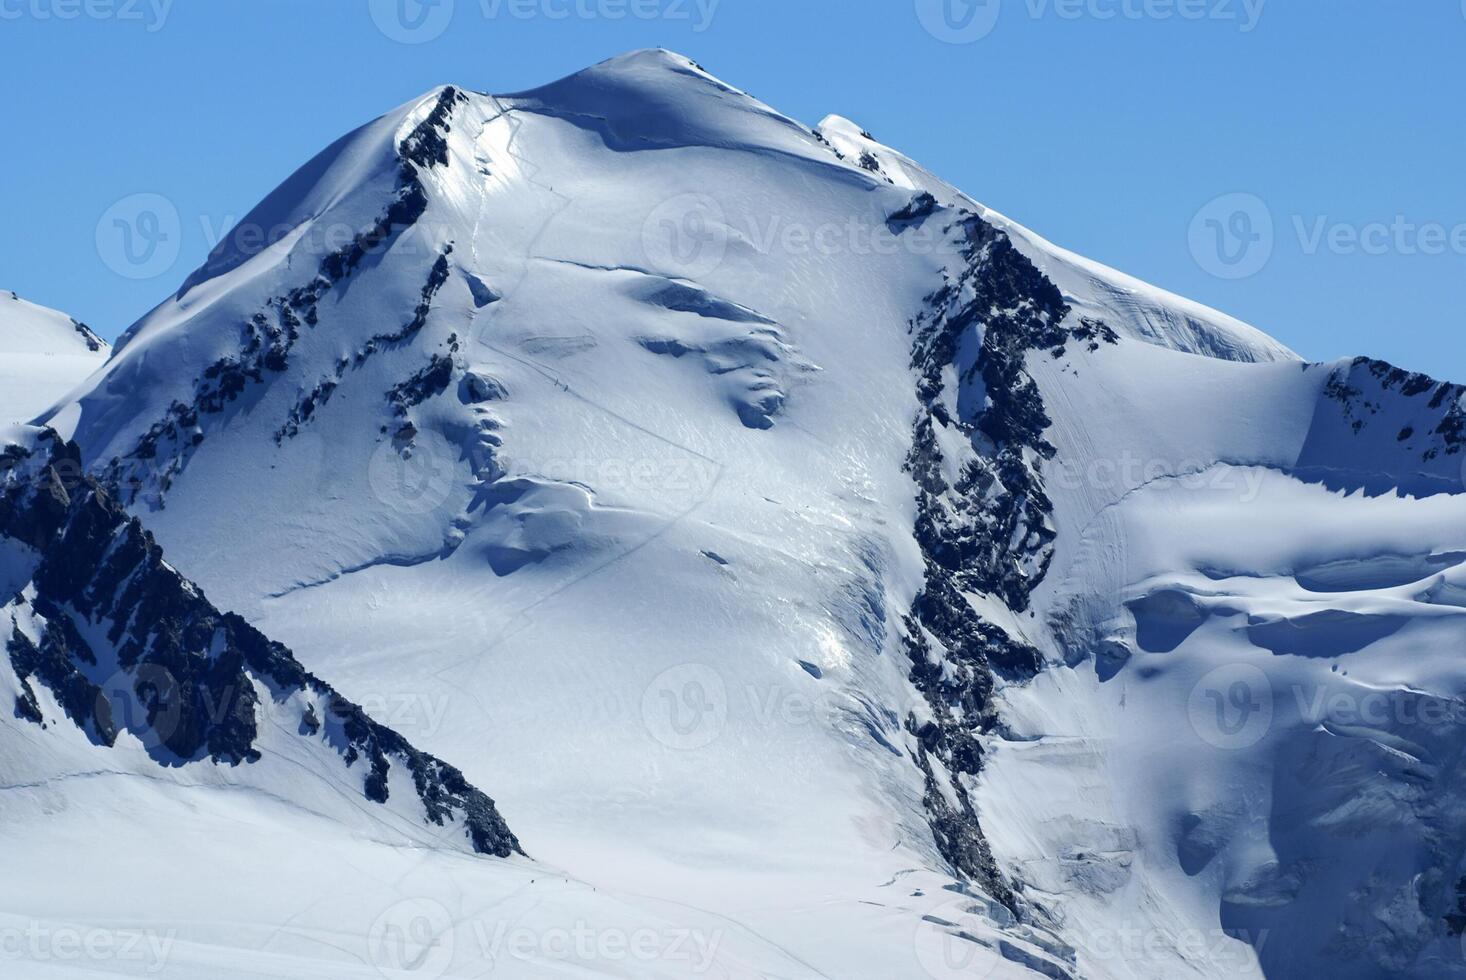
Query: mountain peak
x=45 y=354
x=28 y=328
x=656 y=98
x=644 y=64
x=642 y=58
x=624 y=431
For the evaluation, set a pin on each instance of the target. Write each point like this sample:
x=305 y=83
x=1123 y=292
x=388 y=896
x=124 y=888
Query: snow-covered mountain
x=227 y=813
x=43 y=355
x=108 y=636
x=809 y=556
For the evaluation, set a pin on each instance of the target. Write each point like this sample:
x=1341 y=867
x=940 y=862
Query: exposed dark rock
x=93 y=342
x=437 y=275
x=49 y=665
x=427 y=383
x=668 y=346
x=306 y=407
x=268 y=337
x=990 y=532
x=475 y=389
x=427 y=145
x=482 y=294
x=1456 y=919
x=186 y=677
x=922 y=206
x=1363 y=389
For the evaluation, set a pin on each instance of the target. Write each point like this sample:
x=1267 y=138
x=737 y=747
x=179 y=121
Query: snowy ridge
x=124 y=647
x=26 y=328
x=1131 y=307
x=43 y=355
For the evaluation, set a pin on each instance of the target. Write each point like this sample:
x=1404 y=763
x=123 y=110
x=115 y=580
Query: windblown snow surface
x=43 y=355
x=826 y=576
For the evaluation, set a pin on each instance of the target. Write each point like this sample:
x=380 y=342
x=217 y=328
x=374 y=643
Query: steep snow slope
x=784 y=535
x=43 y=355
x=122 y=645
x=1132 y=307
x=568 y=480
x=224 y=813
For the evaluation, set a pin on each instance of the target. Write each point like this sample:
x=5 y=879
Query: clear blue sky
x=1102 y=124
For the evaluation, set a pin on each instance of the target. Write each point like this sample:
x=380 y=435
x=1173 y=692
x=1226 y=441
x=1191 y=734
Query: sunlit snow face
x=833 y=654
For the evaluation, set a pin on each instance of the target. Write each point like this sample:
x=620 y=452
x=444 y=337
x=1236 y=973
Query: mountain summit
x=45 y=355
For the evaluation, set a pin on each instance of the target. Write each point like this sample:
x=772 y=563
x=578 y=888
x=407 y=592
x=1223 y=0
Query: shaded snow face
x=782 y=534
x=1256 y=686
x=1300 y=653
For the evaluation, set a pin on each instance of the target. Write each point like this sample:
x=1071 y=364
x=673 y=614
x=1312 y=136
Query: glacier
x=825 y=575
